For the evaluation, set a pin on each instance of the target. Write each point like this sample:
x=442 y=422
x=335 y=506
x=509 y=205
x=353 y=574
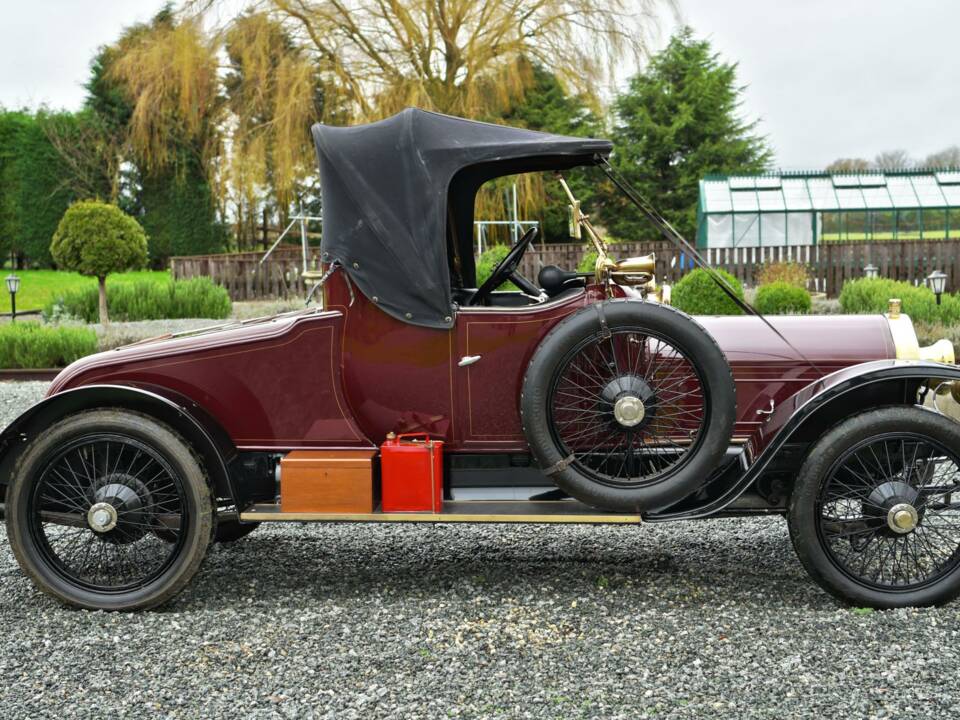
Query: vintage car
x=581 y=398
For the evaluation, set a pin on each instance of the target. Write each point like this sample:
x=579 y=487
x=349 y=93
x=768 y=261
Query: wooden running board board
x=475 y=511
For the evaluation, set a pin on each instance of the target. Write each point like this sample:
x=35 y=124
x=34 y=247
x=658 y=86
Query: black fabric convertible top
x=397 y=191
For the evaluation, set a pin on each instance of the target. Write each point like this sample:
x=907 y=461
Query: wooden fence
x=830 y=265
x=245 y=277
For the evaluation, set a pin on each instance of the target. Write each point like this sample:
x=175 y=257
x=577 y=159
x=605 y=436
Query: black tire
x=149 y=478
x=662 y=457
x=232 y=530
x=843 y=511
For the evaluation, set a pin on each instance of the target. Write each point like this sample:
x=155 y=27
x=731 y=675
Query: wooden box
x=327 y=481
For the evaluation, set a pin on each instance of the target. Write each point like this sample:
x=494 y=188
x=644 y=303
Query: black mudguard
x=190 y=420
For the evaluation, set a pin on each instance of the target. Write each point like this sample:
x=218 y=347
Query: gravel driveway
x=704 y=619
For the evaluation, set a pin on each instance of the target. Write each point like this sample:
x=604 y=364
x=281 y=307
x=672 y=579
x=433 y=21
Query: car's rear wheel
x=89 y=500
x=875 y=512
x=628 y=405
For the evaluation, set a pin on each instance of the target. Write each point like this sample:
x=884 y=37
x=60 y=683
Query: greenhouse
x=808 y=208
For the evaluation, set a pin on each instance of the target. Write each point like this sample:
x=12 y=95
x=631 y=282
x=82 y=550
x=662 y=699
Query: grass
x=931 y=234
x=37 y=287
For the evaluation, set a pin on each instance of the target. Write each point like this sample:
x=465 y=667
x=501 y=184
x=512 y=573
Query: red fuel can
x=411 y=473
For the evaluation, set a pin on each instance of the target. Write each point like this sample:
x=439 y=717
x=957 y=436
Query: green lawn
x=38 y=286
x=932 y=234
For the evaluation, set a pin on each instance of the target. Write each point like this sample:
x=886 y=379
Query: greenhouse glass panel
x=873 y=180
x=768 y=182
x=877 y=198
x=746 y=230
x=952 y=195
x=901 y=192
x=822 y=193
x=720 y=231
x=846 y=180
x=928 y=191
x=850 y=199
x=795 y=194
x=770 y=200
x=800 y=229
x=745 y=201
x=949 y=177
x=717 y=197
x=742 y=183
x=773 y=230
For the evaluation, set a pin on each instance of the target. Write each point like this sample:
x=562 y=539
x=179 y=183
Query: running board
x=473 y=511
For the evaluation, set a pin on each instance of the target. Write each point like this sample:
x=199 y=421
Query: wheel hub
x=117 y=512
x=102 y=517
x=628 y=399
x=902 y=518
x=893 y=506
x=628 y=410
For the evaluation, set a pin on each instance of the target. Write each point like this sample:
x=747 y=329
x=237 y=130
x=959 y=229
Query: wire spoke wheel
x=629 y=408
x=98 y=508
x=628 y=405
x=889 y=512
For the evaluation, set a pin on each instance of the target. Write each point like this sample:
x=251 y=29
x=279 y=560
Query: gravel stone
x=705 y=619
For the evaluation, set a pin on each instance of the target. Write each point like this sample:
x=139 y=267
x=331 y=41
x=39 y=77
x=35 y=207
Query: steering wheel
x=507 y=270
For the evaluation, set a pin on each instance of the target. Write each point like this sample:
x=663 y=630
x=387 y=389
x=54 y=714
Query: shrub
x=782 y=298
x=31 y=345
x=589 y=261
x=147 y=300
x=871 y=295
x=96 y=239
x=697 y=294
x=489 y=259
x=792 y=273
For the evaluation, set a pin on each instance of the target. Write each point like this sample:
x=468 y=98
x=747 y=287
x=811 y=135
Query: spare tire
x=628 y=405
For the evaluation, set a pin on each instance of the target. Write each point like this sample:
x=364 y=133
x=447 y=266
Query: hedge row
x=144 y=300
x=31 y=345
x=872 y=296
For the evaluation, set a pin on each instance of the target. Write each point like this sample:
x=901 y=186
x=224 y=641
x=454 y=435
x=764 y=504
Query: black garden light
x=13 y=286
x=937 y=280
x=871 y=271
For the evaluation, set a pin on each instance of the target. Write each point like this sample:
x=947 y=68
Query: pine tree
x=678 y=121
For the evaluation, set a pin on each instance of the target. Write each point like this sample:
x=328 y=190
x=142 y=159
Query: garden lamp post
x=13 y=285
x=938 y=282
x=871 y=271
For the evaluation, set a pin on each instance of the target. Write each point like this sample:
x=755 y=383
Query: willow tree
x=464 y=57
x=244 y=123
x=242 y=94
x=273 y=96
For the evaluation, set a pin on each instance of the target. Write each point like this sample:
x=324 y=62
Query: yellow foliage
x=171 y=73
x=246 y=91
x=464 y=57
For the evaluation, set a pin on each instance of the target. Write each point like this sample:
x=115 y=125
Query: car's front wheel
x=875 y=512
x=88 y=501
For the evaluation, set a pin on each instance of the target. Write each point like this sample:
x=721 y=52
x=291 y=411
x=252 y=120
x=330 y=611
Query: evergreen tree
x=547 y=107
x=33 y=194
x=678 y=121
x=172 y=199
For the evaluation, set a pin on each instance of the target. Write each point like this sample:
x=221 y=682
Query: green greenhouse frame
x=808 y=208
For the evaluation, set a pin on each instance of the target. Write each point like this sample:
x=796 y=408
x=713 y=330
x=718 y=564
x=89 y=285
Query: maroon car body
x=347 y=376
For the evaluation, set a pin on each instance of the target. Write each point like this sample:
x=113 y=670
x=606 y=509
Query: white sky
x=827 y=78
